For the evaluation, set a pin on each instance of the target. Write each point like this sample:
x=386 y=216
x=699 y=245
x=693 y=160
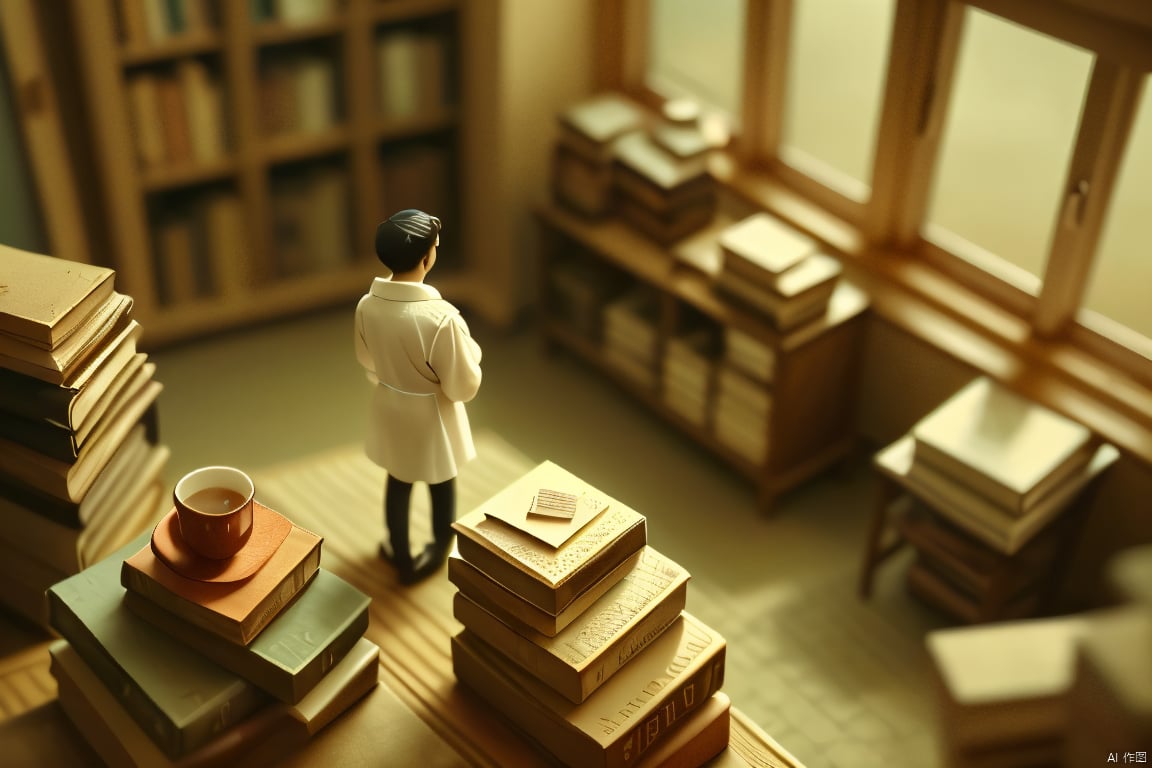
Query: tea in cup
x=214 y=509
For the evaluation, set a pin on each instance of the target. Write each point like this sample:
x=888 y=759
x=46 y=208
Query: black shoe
x=405 y=569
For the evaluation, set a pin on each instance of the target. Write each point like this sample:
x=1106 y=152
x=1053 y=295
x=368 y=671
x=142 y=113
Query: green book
x=290 y=656
x=181 y=698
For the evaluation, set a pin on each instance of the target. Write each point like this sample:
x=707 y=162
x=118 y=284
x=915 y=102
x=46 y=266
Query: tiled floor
x=838 y=682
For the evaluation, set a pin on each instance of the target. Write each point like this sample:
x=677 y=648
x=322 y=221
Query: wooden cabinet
x=247 y=150
x=800 y=396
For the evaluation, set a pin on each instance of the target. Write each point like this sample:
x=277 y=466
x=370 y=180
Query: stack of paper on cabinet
x=1001 y=467
x=689 y=366
x=776 y=270
x=742 y=408
x=80 y=463
x=582 y=170
x=665 y=196
x=209 y=666
x=575 y=631
x=630 y=335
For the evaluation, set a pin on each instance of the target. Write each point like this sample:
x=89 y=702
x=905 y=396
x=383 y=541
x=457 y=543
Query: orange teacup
x=214 y=507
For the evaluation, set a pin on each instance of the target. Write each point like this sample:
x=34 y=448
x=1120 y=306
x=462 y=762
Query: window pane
x=836 y=69
x=696 y=49
x=1121 y=284
x=1009 y=134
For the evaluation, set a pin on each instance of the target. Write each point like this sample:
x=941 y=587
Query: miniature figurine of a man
x=424 y=364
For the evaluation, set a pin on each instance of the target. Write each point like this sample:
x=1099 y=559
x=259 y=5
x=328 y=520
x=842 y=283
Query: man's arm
x=455 y=359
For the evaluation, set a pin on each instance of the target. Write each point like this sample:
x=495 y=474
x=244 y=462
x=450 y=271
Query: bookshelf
x=247 y=150
x=803 y=393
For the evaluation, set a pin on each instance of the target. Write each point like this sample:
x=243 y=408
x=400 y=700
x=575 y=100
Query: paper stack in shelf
x=749 y=355
x=630 y=336
x=582 y=162
x=80 y=463
x=687 y=372
x=1000 y=466
x=776 y=270
x=741 y=411
x=575 y=629
x=168 y=659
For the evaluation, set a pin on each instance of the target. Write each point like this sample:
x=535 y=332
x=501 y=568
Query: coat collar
x=385 y=288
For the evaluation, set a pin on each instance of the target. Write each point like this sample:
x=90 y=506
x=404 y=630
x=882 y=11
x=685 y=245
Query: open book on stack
x=776 y=270
x=1000 y=466
x=80 y=463
x=169 y=661
x=575 y=629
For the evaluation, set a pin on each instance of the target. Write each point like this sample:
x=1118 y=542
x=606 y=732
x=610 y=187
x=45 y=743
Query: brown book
x=807 y=298
x=662 y=174
x=176 y=256
x=591 y=128
x=237 y=611
x=133 y=23
x=174 y=117
x=628 y=717
x=580 y=184
x=548 y=575
x=47 y=299
x=202 y=104
x=702 y=735
x=522 y=615
x=226 y=236
x=147 y=122
x=607 y=635
x=666 y=228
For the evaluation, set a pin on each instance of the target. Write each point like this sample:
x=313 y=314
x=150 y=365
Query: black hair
x=405 y=238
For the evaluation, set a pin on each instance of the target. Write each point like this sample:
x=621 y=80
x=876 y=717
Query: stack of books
x=751 y=356
x=630 y=335
x=575 y=629
x=689 y=362
x=169 y=658
x=664 y=195
x=777 y=271
x=582 y=162
x=742 y=408
x=80 y=466
x=1004 y=466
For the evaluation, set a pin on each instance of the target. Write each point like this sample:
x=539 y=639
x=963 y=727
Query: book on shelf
x=590 y=128
x=749 y=355
x=294 y=651
x=415 y=175
x=204 y=109
x=801 y=294
x=276 y=92
x=611 y=632
x=236 y=611
x=666 y=228
x=48 y=299
x=69 y=404
x=300 y=11
x=311 y=229
x=701 y=736
x=398 y=69
x=128 y=506
x=174 y=121
x=627 y=717
x=739 y=393
x=221 y=216
x=272 y=733
x=1008 y=449
x=658 y=178
x=991 y=522
x=762 y=248
x=314 y=82
x=517 y=556
x=514 y=611
x=58 y=364
x=143 y=93
x=55 y=441
x=580 y=184
x=180 y=698
x=70 y=480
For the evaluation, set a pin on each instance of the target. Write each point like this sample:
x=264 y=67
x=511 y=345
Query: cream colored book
x=590 y=127
x=763 y=247
x=596 y=646
x=626 y=718
x=1002 y=446
x=521 y=615
x=549 y=563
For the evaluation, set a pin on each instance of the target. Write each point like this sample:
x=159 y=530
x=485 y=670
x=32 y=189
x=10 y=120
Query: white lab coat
x=417 y=351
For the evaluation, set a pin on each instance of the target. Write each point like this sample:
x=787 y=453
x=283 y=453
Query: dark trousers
x=397 y=494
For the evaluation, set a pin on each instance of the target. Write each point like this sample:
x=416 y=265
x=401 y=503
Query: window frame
x=1081 y=363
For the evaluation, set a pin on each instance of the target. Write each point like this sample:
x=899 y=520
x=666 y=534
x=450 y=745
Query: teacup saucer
x=269 y=529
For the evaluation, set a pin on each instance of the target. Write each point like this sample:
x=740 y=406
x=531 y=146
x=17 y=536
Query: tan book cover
x=315 y=86
x=202 y=103
x=1001 y=445
x=147 y=122
x=227 y=237
x=591 y=128
x=619 y=724
x=663 y=171
x=522 y=615
x=666 y=228
x=46 y=299
x=63 y=361
x=236 y=611
x=702 y=736
x=765 y=246
x=176 y=257
x=548 y=577
x=607 y=635
x=71 y=480
x=786 y=313
x=174 y=120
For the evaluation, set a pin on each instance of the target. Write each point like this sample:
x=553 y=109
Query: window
x=1010 y=131
x=837 y=58
x=1121 y=283
x=696 y=50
